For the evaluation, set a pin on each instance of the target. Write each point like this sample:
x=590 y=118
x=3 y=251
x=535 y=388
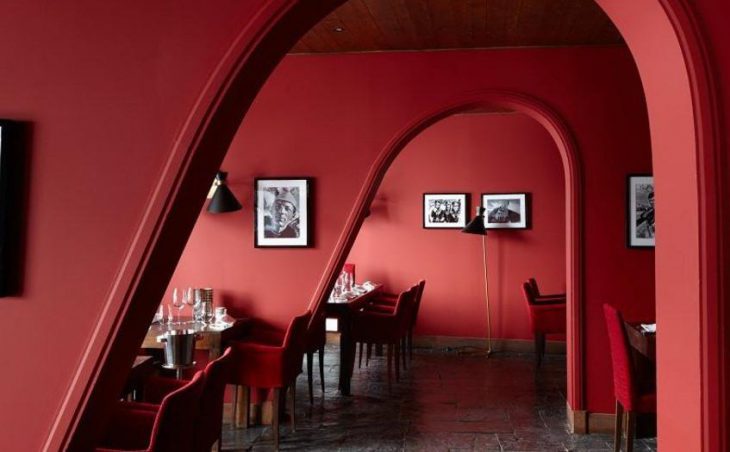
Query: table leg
x=215 y=347
x=347 y=354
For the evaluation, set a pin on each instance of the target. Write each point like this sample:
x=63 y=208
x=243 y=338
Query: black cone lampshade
x=223 y=199
x=476 y=225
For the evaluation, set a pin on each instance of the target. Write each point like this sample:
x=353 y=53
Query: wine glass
x=348 y=282
x=187 y=299
x=177 y=302
x=198 y=314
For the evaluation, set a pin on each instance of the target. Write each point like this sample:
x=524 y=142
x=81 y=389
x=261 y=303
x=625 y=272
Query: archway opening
x=120 y=302
x=407 y=235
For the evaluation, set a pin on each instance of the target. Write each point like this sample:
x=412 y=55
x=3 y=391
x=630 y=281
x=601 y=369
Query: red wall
x=328 y=117
x=107 y=90
x=474 y=153
x=679 y=273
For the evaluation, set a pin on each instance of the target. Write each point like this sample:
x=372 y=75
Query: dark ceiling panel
x=381 y=25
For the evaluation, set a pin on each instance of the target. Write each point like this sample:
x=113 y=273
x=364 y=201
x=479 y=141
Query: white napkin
x=368 y=285
x=649 y=327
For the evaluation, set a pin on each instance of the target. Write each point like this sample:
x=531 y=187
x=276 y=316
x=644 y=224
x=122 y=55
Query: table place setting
x=340 y=295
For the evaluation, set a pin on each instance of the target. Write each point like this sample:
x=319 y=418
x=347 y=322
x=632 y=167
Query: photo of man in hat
x=284 y=214
x=645 y=228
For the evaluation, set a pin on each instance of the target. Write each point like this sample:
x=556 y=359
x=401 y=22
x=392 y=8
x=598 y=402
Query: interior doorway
x=231 y=115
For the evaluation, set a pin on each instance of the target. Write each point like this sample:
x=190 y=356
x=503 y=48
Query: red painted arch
x=198 y=152
x=560 y=132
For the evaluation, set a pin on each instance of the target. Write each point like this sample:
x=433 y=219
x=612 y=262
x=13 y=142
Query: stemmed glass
x=198 y=314
x=187 y=299
x=177 y=302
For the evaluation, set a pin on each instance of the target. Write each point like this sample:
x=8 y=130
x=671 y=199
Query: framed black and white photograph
x=282 y=209
x=445 y=210
x=640 y=211
x=505 y=210
x=12 y=198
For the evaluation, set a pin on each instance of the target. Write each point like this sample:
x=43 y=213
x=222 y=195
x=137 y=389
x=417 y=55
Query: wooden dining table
x=212 y=336
x=641 y=341
x=142 y=368
x=643 y=357
x=344 y=309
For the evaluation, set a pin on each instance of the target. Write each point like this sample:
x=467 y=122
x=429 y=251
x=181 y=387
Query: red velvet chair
x=386 y=328
x=211 y=402
x=538 y=295
x=208 y=428
x=316 y=338
x=625 y=388
x=385 y=303
x=275 y=367
x=168 y=427
x=547 y=316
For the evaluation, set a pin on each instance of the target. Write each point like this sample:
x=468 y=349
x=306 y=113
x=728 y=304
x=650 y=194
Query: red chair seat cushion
x=548 y=318
x=646 y=403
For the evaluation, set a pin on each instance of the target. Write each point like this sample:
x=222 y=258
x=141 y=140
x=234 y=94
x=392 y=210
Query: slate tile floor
x=445 y=401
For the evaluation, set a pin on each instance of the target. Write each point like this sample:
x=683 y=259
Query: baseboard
x=578 y=421
x=451 y=342
x=601 y=422
x=498 y=345
x=583 y=422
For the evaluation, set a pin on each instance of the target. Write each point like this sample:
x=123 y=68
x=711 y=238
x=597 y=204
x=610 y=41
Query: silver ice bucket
x=179 y=348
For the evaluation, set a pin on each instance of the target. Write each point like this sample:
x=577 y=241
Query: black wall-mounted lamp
x=223 y=199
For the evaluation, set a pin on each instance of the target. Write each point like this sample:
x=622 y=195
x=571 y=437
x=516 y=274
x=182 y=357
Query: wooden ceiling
x=383 y=25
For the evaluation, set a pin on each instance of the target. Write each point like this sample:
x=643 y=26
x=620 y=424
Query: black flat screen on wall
x=10 y=199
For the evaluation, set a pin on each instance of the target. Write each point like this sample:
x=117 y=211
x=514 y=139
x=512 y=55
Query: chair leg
x=618 y=427
x=359 y=359
x=630 y=430
x=396 y=355
x=404 y=351
x=242 y=406
x=389 y=358
x=321 y=367
x=368 y=354
x=543 y=342
x=310 y=365
x=234 y=407
x=275 y=416
x=410 y=344
x=539 y=347
x=292 y=404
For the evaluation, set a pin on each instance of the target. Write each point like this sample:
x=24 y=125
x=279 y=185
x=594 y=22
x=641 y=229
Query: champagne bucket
x=179 y=348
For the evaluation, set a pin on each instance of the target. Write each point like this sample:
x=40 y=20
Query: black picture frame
x=524 y=202
x=640 y=234
x=299 y=190
x=12 y=174
x=464 y=201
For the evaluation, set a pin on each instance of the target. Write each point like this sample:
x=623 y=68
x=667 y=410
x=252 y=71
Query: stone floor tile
x=446 y=400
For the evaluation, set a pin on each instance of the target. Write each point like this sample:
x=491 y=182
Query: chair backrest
x=624 y=386
x=533 y=285
x=211 y=400
x=176 y=422
x=417 y=304
x=528 y=293
x=404 y=307
x=295 y=338
x=316 y=333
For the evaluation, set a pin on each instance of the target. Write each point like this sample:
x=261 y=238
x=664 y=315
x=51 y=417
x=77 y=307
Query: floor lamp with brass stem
x=476 y=226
